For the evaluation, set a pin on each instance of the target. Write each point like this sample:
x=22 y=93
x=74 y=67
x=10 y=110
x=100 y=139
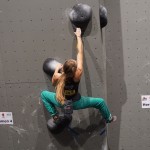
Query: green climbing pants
x=49 y=100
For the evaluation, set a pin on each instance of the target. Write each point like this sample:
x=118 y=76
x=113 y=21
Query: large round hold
x=60 y=125
x=80 y=16
x=49 y=66
x=103 y=16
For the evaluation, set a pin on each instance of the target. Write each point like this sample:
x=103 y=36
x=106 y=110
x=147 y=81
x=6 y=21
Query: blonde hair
x=69 y=69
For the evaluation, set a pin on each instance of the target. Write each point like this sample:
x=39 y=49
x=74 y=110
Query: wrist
x=78 y=36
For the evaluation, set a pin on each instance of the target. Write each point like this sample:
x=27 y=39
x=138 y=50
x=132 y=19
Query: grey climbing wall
x=30 y=32
x=128 y=72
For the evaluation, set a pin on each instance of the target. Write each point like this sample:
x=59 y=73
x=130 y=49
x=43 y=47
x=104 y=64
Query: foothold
x=49 y=66
x=60 y=125
x=103 y=16
x=72 y=131
x=80 y=16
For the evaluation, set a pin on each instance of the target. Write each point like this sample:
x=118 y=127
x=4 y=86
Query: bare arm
x=79 y=55
x=56 y=74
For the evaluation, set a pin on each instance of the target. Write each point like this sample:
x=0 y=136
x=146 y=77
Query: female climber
x=66 y=84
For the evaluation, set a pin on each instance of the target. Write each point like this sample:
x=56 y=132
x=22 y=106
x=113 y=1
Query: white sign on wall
x=6 y=118
x=145 y=99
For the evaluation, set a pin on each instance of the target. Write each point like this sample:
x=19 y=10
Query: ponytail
x=60 y=89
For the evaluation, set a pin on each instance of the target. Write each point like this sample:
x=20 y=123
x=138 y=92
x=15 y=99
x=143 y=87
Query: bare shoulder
x=78 y=75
